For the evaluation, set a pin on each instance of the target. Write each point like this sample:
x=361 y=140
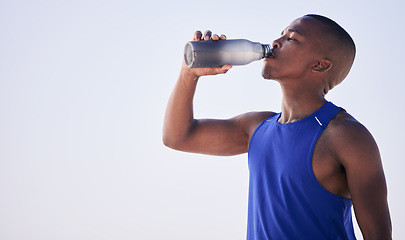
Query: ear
x=322 y=65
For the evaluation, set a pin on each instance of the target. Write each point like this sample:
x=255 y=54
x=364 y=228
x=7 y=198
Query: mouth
x=271 y=56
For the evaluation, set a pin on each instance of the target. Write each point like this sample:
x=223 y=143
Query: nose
x=276 y=44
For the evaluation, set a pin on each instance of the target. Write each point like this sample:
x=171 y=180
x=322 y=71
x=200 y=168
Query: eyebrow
x=291 y=30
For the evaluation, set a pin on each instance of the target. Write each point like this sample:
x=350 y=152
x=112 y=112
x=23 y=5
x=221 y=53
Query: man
x=309 y=163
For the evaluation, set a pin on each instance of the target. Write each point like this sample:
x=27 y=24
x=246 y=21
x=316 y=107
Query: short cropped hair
x=338 y=31
x=345 y=41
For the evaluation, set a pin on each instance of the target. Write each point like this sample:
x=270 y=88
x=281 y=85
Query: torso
x=327 y=168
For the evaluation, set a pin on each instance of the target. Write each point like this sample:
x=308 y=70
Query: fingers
x=198 y=36
x=220 y=70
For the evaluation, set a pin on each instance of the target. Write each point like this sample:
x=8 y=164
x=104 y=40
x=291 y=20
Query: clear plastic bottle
x=201 y=54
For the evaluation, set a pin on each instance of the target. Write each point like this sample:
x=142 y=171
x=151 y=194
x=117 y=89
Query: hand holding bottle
x=198 y=72
x=203 y=54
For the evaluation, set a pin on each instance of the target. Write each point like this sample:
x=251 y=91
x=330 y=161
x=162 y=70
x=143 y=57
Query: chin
x=266 y=74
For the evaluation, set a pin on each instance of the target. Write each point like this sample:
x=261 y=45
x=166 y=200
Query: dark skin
x=346 y=159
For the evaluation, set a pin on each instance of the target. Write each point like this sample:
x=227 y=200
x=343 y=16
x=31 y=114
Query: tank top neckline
x=310 y=117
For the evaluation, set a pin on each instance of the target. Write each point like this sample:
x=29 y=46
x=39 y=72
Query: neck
x=299 y=102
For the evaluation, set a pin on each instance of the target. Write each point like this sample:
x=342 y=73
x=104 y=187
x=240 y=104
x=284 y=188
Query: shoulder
x=349 y=138
x=345 y=127
x=250 y=120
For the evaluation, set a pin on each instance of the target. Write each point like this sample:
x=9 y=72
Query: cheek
x=295 y=61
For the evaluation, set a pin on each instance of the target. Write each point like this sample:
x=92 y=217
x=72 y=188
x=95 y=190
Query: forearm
x=179 y=115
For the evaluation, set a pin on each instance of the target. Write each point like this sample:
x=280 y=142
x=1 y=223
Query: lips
x=272 y=55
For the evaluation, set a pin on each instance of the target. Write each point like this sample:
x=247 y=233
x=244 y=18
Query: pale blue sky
x=83 y=90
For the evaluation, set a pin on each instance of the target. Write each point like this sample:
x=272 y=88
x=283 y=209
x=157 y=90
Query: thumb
x=224 y=68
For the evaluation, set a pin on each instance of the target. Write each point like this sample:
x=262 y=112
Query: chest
x=298 y=154
x=283 y=145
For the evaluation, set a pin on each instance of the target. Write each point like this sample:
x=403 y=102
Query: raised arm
x=359 y=154
x=208 y=136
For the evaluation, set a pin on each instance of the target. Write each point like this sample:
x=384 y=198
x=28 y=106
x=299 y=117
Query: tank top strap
x=326 y=113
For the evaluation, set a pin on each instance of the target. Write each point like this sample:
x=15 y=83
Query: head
x=312 y=47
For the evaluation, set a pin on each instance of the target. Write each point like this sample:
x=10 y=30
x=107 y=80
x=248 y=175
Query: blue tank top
x=286 y=201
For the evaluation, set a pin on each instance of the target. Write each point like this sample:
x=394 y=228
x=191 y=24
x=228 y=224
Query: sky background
x=83 y=90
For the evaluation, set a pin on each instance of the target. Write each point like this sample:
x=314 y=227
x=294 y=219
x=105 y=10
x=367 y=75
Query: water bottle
x=201 y=54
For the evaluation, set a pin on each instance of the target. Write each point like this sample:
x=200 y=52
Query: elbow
x=167 y=141
x=167 y=137
x=176 y=138
x=171 y=142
